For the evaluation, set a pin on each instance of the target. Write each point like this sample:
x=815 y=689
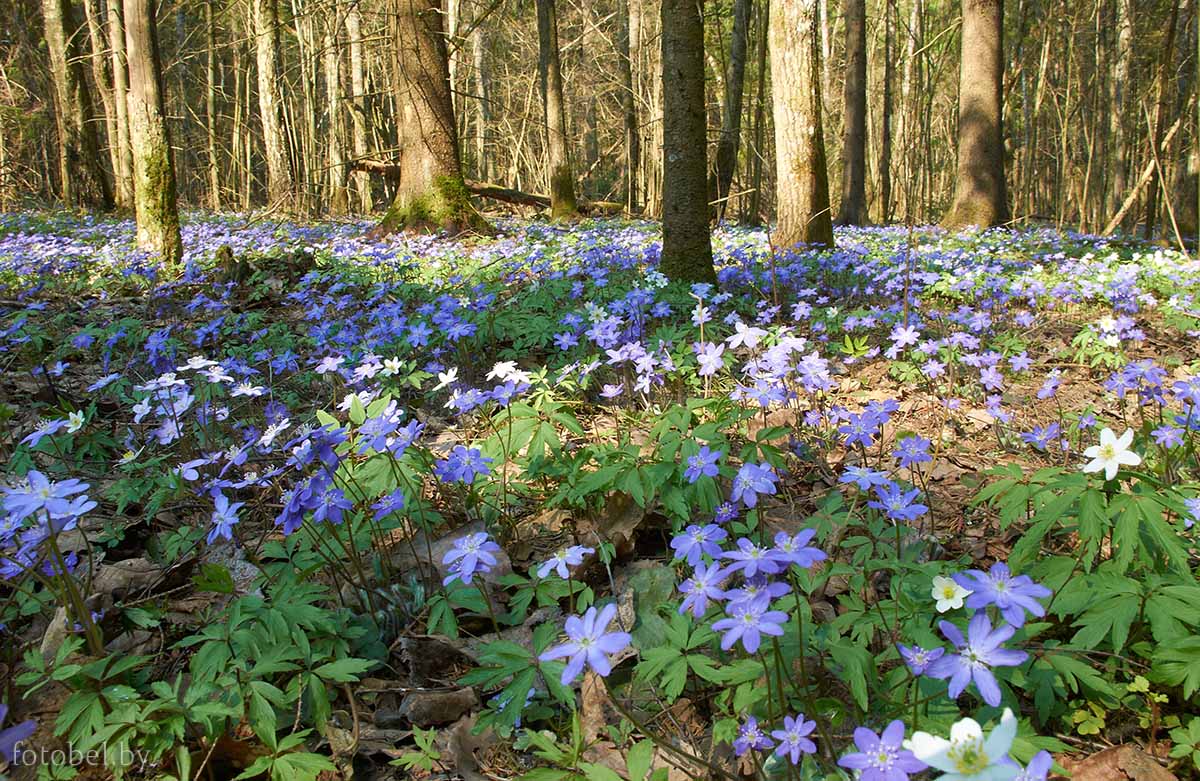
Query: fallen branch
x=482 y=189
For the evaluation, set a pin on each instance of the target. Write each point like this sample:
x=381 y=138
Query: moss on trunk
x=446 y=206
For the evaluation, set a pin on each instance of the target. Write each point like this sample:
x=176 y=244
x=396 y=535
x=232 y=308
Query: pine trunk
x=852 y=210
x=687 y=246
x=558 y=152
x=430 y=195
x=802 y=178
x=153 y=167
x=980 y=198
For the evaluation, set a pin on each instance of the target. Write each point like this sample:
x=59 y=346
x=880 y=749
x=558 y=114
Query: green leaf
x=344 y=670
x=638 y=760
x=214 y=579
x=1178 y=664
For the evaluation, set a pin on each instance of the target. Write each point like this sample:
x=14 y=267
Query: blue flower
x=897 y=504
x=913 y=450
x=463 y=465
x=882 y=757
x=224 y=518
x=752 y=480
x=1013 y=596
x=700 y=588
x=470 y=554
x=567 y=557
x=703 y=463
x=390 y=503
x=977 y=653
x=793 y=738
x=589 y=643
x=697 y=541
x=918 y=659
x=750 y=737
x=790 y=550
x=748 y=622
x=12 y=737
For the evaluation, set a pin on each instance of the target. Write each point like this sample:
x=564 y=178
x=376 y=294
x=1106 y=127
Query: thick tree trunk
x=430 y=195
x=84 y=181
x=103 y=82
x=633 y=150
x=852 y=210
x=731 y=109
x=153 y=167
x=802 y=178
x=335 y=134
x=123 y=175
x=358 y=107
x=980 y=197
x=280 y=187
x=1119 y=97
x=687 y=246
x=210 y=109
x=562 y=179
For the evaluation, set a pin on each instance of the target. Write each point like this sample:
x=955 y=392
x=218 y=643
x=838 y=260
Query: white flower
x=949 y=595
x=391 y=367
x=745 y=334
x=1111 y=453
x=445 y=378
x=196 y=362
x=247 y=389
x=502 y=370
x=74 y=422
x=967 y=755
x=274 y=430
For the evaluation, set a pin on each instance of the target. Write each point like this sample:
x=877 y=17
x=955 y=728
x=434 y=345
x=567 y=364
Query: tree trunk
x=885 y=119
x=558 y=153
x=430 y=195
x=116 y=42
x=1119 y=97
x=731 y=109
x=633 y=150
x=338 y=194
x=100 y=77
x=153 y=167
x=210 y=109
x=280 y=187
x=802 y=178
x=853 y=207
x=1157 y=151
x=753 y=214
x=485 y=167
x=358 y=107
x=84 y=180
x=687 y=246
x=980 y=197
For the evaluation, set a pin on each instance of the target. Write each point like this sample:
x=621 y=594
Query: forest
x=599 y=390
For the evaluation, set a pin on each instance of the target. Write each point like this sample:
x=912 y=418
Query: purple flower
x=708 y=355
x=913 y=450
x=697 y=541
x=470 y=554
x=612 y=391
x=1038 y=767
x=590 y=643
x=897 y=504
x=10 y=738
x=1168 y=436
x=701 y=587
x=559 y=562
x=751 y=559
x=977 y=654
x=224 y=518
x=793 y=738
x=331 y=506
x=752 y=480
x=1193 y=508
x=918 y=659
x=390 y=503
x=748 y=622
x=750 y=736
x=41 y=494
x=882 y=757
x=1013 y=596
x=863 y=477
x=463 y=465
x=796 y=550
x=703 y=464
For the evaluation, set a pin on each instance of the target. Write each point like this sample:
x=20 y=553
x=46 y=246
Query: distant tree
x=731 y=109
x=83 y=178
x=802 y=186
x=431 y=194
x=980 y=197
x=852 y=210
x=280 y=182
x=687 y=245
x=153 y=164
x=558 y=151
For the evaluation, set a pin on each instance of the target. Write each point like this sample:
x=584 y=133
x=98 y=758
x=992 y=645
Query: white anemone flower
x=949 y=595
x=1111 y=454
x=445 y=378
x=75 y=421
x=968 y=755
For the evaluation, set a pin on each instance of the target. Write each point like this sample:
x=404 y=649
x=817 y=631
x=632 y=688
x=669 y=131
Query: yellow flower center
x=1107 y=451
x=968 y=757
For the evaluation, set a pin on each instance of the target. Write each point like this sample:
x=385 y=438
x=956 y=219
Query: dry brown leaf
x=1119 y=763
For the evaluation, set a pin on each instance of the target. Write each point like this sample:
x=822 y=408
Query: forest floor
x=288 y=442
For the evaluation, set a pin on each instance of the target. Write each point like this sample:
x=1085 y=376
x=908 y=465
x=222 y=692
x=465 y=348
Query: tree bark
x=753 y=214
x=731 y=110
x=558 y=152
x=430 y=195
x=1119 y=97
x=1165 y=66
x=338 y=193
x=629 y=116
x=153 y=166
x=687 y=245
x=485 y=166
x=358 y=107
x=103 y=82
x=123 y=175
x=980 y=197
x=802 y=178
x=84 y=181
x=210 y=108
x=885 y=119
x=280 y=184
x=852 y=210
